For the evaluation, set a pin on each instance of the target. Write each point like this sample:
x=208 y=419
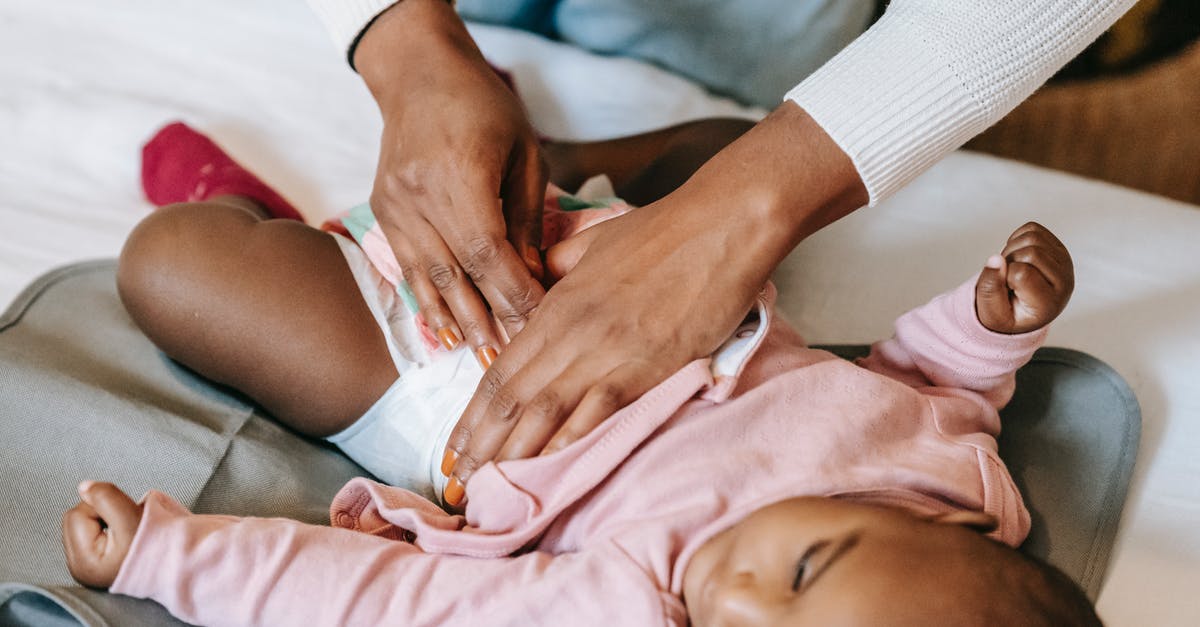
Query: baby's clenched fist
x=97 y=533
x=1027 y=285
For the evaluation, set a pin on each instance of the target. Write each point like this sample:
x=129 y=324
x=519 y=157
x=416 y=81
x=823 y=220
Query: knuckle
x=492 y=383
x=409 y=270
x=1032 y=256
x=460 y=438
x=505 y=406
x=406 y=179
x=521 y=305
x=481 y=253
x=1019 y=272
x=378 y=199
x=474 y=331
x=467 y=463
x=525 y=301
x=568 y=434
x=512 y=316
x=443 y=276
x=546 y=405
x=608 y=396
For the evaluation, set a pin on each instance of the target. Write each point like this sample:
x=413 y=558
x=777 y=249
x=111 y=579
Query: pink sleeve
x=943 y=344
x=223 y=570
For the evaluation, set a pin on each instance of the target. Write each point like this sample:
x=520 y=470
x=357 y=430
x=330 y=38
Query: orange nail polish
x=454 y=492
x=486 y=356
x=449 y=338
x=533 y=260
x=448 y=461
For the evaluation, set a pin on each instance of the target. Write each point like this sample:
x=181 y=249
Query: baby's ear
x=978 y=521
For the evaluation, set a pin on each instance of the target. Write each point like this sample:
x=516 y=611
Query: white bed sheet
x=82 y=84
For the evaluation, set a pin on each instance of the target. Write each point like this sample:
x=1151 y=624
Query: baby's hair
x=1034 y=593
x=1056 y=599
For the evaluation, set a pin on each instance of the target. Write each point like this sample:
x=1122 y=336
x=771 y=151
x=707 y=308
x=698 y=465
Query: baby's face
x=823 y=561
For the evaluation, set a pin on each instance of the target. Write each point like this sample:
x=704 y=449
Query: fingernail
x=995 y=261
x=533 y=260
x=448 y=461
x=454 y=492
x=486 y=356
x=449 y=338
x=84 y=486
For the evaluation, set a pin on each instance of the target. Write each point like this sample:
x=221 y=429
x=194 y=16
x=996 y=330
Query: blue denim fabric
x=752 y=50
x=532 y=15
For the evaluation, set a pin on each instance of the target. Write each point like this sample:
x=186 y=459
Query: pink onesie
x=601 y=532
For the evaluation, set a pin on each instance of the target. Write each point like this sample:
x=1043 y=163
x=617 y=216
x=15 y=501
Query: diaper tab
x=731 y=358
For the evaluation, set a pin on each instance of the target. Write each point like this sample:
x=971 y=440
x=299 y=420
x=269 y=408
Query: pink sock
x=181 y=165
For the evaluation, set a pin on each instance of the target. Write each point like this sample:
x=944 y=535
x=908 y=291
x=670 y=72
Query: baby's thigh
x=267 y=307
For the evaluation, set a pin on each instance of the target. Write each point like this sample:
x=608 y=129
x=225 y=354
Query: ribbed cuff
x=1016 y=348
x=347 y=19
x=892 y=102
x=140 y=573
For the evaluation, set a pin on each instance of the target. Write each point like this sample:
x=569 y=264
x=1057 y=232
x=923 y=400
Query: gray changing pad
x=79 y=384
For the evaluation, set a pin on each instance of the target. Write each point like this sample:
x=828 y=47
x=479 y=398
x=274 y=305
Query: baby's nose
x=743 y=602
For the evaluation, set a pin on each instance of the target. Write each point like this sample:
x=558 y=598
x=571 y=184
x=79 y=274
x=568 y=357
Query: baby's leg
x=644 y=167
x=269 y=308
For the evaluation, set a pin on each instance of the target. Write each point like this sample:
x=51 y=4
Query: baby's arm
x=224 y=570
x=976 y=336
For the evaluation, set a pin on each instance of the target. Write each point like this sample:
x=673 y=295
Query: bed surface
x=82 y=84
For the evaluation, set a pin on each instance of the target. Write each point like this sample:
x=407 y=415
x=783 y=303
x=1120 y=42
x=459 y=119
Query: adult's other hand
x=655 y=289
x=461 y=179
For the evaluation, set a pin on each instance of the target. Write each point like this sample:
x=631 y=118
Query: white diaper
x=402 y=437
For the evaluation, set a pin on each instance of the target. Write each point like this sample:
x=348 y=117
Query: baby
x=769 y=484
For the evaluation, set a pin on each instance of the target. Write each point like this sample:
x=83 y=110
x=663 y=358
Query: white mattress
x=83 y=83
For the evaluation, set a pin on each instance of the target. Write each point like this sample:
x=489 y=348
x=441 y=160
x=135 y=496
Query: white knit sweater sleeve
x=932 y=74
x=927 y=77
x=345 y=19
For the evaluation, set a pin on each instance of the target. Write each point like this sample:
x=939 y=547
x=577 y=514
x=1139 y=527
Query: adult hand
x=461 y=179
x=97 y=533
x=655 y=289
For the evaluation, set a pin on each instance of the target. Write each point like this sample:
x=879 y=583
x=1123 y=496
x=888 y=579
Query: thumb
x=562 y=257
x=991 y=296
x=119 y=513
x=523 y=194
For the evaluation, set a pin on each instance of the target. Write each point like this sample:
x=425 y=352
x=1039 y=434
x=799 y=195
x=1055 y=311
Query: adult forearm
x=931 y=74
x=426 y=32
x=345 y=20
x=776 y=185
